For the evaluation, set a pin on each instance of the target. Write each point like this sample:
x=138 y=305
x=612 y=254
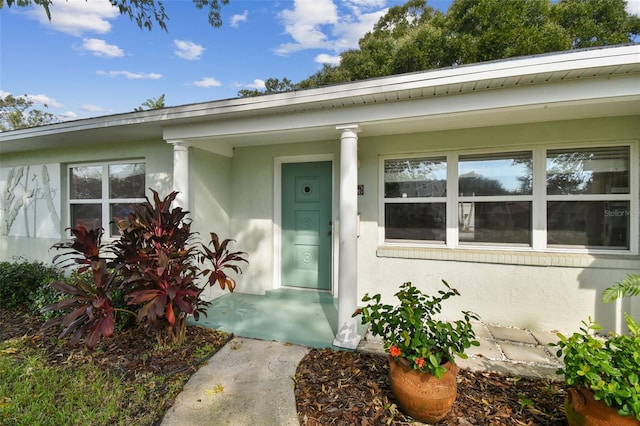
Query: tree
x=151 y=103
x=17 y=113
x=329 y=74
x=271 y=85
x=596 y=22
x=415 y=37
x=485 y=30
x=144 y=12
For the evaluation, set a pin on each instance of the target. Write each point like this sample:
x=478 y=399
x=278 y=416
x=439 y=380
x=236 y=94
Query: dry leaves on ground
x=345 y=388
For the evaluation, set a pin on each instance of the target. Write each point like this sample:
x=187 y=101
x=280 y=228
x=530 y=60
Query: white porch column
x=347 y=336
x=181 y=173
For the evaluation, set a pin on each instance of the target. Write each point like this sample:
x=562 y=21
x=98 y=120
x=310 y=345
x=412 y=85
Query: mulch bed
x=331 y=387
x=136 y=358
x=129 y=352
x=345 y=388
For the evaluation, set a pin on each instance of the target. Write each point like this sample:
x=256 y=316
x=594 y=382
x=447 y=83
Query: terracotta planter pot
x=422 y=395
x=583 y=410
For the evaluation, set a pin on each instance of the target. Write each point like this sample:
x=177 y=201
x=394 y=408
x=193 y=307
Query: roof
x=566 y=85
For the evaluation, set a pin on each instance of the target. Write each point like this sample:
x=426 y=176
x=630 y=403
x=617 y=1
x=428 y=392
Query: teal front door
x=306 y=225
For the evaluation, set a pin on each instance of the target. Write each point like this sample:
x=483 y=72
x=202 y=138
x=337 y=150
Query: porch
x=307 y=318
x=310 y=319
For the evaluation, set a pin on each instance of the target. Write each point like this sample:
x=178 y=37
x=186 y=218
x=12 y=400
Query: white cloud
x=36 y=99
x=305 y=24
x=320 y=24
x=69 y=115
x=207 y=82
x=44 y=100
x=131 y=75
x=324 y=58
x=359 y=6
x=91 y=108
x=257 y=84
x=237 y=19
x=76 y=17
x=188 y=49
x=348 y=32
x=633 y=7
x=99 y=47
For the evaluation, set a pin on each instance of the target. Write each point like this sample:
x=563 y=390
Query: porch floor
x=299 y=317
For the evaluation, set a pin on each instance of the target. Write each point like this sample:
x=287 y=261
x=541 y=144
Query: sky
x=90 y=61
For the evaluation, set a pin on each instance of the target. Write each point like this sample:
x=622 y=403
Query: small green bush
x=21 y=281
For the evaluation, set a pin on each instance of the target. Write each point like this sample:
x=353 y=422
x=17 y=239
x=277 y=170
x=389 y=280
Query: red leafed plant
x=221 y=258
x=156 y=261
x=92 y=313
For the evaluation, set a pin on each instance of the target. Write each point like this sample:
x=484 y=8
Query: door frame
x=277 y=214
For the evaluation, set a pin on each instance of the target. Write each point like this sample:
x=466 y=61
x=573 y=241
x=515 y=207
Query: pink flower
x=394 y=351
x=420 y=362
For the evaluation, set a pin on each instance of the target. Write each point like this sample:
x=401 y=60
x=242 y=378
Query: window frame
x=538 y=198
x=106 y=201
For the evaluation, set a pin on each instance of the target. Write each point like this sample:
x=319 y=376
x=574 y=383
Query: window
x=100 y=192
x=415 y=192
x=495 y=194
x=589 y=201
x=575 y=198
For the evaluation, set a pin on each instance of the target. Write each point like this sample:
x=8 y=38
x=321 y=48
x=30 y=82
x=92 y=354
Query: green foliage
x=413 y=331
x=21 y=281
x=415 y=37
x=151 y=103
x=271 y=85
x=18 y=113
x=143 y=12
x=152 y=266
x=608 y=367
x=33 y=391
x=627 y=287
x=596 y=22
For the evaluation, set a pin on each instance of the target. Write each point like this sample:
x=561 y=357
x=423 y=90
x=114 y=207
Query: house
x=515 y=181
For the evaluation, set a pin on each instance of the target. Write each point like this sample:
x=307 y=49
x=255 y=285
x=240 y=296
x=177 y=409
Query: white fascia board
x=590 y=59
x=564 y=61
x=530 y=96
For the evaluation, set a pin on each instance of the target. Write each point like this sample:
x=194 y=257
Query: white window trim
x=105 y=201
x=538 y=198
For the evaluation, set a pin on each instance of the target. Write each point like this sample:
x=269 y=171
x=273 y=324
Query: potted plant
x=422 y=348
x=604 y=373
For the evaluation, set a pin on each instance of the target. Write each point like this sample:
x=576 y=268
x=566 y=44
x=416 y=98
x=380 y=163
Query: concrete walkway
x=507 y=350
x=250 y=381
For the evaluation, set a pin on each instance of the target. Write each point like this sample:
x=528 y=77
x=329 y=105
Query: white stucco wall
x=210 y=195
x=158 y=165
x=533 y=291
x=234 y=197
x=253 y=207
x=502 y=289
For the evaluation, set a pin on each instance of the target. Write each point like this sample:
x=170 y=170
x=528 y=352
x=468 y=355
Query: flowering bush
x=411 y=330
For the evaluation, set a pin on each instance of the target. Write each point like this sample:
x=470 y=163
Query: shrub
x=22 y=280
x=154 y=266
x=607 y=367
x=49 y=295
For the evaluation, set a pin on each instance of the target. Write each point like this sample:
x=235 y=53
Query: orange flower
x=420 y=362
x=394 y=351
